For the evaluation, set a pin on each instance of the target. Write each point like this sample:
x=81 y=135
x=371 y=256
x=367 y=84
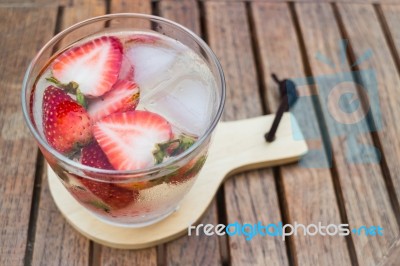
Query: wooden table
x=252 y=40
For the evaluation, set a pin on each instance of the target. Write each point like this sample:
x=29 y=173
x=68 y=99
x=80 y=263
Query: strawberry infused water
x=124 y=119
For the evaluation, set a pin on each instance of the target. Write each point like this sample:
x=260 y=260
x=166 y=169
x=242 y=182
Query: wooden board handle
x=237 y=146
x=240 y=145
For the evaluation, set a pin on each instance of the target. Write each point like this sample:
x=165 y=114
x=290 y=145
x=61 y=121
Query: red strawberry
x=31 y=101
x=112 y=195
x=136 y=185
x=128 y=139
x=127 y=71
x=66 y=124
x=88 y=199
x=94 y=65
x=187 y=171
x=124 y=96
x=84 y=196
x=92 y=155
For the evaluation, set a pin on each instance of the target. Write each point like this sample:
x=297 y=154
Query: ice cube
x=151 y=64
x=186 y=104
x=175 y=83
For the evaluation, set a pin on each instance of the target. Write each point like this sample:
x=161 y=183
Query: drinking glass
x=157 y=190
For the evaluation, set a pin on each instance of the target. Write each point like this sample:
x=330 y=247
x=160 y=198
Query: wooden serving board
x=237 y=146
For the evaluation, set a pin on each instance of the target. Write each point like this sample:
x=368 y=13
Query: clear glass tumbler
x=157 y=190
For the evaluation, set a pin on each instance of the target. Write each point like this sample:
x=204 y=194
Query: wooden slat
x=111 y=256
x=366 y=198
x=314 y=1
x=185 y=12
x=365 y=33
x=390 y=15
x=81 y=10
x=392 y=258
x=24 y=31
x=309 y=192
x=229 y=37
x=33 y=3
x=56 y=240
x=392 y=20
x=135 y=6
x=194 y=250
x=250 y=197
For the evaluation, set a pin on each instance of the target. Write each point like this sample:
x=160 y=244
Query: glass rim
x=148 y=170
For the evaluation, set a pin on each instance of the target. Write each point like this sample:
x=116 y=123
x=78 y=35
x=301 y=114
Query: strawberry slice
x=124 y=96
x=128 y=139
x=112 y=195
x=66 y=124
x=94 y=65
x=127 y=71
x=92 y=155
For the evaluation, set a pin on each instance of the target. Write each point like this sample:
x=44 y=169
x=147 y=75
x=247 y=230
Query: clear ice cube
x=151 y=65
x=186 y=105
x=175 y=83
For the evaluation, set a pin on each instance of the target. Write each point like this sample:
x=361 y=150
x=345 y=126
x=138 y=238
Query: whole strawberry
x=113 y=196
x=187 y=172
x=92 y=155
x=66 y=124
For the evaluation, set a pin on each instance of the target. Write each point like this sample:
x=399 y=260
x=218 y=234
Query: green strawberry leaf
x=173 y=147
x=99 y=205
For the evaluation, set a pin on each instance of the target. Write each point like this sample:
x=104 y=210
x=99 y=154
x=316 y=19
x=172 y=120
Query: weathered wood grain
x=184 y=12
x=309 y=192
x=392 y=258
x=390 y=16
x=23 y=31
x=132 y=6
x=116 y=257
x=250 y=197
x=55 y=240
x=314 y=1
x=111 y=256
x=364 y=34
x=366 y=199
x=194 y=250
x=127 y=6
x=33 y=3
x=81 y=10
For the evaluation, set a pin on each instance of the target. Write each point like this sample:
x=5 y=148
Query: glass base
x=142 y=223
